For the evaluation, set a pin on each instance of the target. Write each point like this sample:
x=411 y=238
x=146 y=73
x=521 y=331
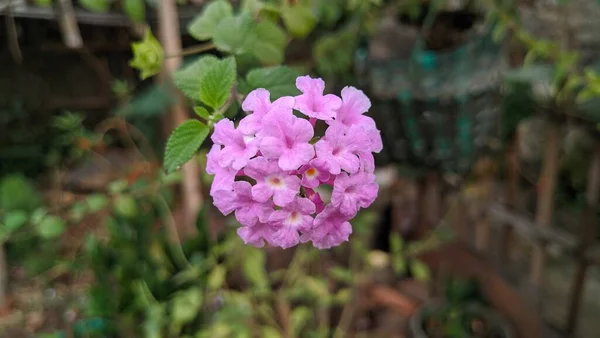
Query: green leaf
x=202 y=112
x=299 y=20
x=188 y=79
x=97 y=6
x=343 y=296
x=148 y=55
x=125 y=206
x=333 y=52
x=279 y=81
x=96 y=202
x=43 y=3
x=118 y=186
x=216 y=84
x=236 y=34
x=419 y=270
x=254 y=268
x=204 y=25
x=38 y=215
x=13 y=220
x=270 y=332
x=183 y=143
x=18 y=193
x=78 y=211
x=299 y=318
x=185 y=307
x=341 y=275
x=270 y=43
x=399 y=264
x=216 y=278
x=51 y=227
x=396 y=244
x=135 y=10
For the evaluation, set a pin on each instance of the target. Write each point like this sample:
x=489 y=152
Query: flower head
x=312 y=102
x=280 y=169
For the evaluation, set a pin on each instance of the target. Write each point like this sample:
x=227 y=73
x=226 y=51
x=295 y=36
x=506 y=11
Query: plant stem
x=192 y=50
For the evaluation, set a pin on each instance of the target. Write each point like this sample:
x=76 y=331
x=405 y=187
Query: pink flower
x=291 y=219
x=314 y=197
x=236 y=150
x=312 y=102
x=314 y=173
x=278 y=203
x=340 y=147
x=259 y=103
x=272 y=181
x=256 y=235
x=224 y=176
x=330 y=228
x=352 y=192
x=286 y=139
x=354 y=104
x=247 y=211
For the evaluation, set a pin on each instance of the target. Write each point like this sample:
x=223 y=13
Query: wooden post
x=545 y=201
x=68 y=24
x=168 y=22
x=587 y=236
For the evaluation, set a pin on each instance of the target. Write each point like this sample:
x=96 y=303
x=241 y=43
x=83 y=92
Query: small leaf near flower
x=148 y=56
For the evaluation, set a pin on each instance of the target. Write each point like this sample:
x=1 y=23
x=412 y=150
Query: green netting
x=447 y=101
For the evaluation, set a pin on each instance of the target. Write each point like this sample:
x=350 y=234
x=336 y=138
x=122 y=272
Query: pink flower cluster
x=268 y=170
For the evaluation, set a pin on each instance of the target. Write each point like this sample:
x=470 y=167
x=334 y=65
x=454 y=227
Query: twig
x=192 y=50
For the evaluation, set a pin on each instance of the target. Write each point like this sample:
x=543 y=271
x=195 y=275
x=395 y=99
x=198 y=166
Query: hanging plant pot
x=439 y=93
x=550 y=19
x=473 y=320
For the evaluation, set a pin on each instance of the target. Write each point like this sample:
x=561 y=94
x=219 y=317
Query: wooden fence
x=507 y=220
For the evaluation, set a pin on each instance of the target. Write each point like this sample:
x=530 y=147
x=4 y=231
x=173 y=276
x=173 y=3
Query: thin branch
x=192 y=50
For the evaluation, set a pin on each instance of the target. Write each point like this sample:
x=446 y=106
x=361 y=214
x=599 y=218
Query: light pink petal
x=284 y=102
x=223 y=180
x=255 y=235
x=224 y=132
x=224 y=200
x=348 y=162
x=261 y=192
x=285 y=237
x=302 y=131
x=271 y=147
x=306 y=84
x=257 y=101
x=284 y=197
